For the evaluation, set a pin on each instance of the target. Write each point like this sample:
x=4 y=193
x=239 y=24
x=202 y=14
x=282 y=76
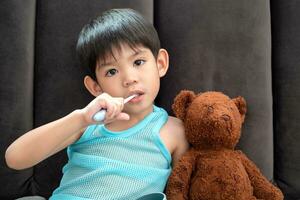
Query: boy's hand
x=112 y=105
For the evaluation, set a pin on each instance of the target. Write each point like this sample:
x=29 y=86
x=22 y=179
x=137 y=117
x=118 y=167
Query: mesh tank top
x=117 y=165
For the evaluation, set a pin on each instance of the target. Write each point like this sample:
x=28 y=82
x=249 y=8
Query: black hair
x=111 y=29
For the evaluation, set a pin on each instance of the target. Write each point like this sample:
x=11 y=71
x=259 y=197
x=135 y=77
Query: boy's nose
x=129 y=81
x=130 y=77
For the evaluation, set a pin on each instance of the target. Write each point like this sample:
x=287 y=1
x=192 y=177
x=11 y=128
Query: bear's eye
x=210 y=109
x=225 y=117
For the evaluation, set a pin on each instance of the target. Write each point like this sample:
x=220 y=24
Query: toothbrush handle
x=99 y=116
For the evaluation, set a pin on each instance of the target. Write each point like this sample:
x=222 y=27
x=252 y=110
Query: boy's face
x=132 y=71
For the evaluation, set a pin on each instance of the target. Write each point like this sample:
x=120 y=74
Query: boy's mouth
x=138 y=96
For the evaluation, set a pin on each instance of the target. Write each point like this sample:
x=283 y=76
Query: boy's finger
x=109 y=110
x=119 y=102
x=119 y=99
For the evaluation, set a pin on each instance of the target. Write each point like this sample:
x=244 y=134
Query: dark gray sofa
x=240 y=47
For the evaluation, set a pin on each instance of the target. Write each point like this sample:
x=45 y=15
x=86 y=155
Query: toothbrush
x=100 y=116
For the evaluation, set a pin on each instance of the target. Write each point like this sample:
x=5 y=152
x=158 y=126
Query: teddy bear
x=212 y=169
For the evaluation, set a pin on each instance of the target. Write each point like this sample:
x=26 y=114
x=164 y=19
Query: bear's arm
x=263 y=189
x=179 y=180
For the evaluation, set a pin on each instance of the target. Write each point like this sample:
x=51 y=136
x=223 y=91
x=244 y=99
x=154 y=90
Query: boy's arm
x=178 y=138
x=69 y=141
x=42 y=142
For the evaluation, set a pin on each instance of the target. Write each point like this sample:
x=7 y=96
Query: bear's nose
x=225 y=117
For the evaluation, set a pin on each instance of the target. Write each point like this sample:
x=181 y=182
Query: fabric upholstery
x=17 y=28
x=225 y=47
x=239 y=47
x=286 y=94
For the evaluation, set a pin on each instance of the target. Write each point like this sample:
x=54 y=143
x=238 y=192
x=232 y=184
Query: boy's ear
x=162 y=62
x=92 y=86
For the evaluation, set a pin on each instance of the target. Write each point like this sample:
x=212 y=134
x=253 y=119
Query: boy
x=129 y=155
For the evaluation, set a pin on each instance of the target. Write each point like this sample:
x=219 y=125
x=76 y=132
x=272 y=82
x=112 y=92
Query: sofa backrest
x=213 y=45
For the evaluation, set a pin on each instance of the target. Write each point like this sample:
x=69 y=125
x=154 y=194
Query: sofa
x=239 y=47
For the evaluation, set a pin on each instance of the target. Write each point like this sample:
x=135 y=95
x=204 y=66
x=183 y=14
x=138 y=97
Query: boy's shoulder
x=174 y=124
x=173 y=129
x=174 y=137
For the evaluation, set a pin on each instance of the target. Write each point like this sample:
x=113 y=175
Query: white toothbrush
x=100 y=116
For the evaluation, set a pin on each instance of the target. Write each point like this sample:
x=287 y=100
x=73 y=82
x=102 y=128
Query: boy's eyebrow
x=136 y=52
x=105 y=64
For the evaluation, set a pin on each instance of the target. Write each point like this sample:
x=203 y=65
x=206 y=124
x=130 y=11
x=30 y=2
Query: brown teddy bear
x=212 y=169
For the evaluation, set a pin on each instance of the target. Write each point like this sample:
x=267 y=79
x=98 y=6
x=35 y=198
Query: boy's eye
x=111 y=72
x=139 y=62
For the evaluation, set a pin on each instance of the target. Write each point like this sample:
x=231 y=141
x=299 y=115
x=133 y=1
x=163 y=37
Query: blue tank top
x=117 y=165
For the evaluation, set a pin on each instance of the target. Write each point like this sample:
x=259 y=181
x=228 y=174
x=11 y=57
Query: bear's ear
x=182 y=102
x=240 y=103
